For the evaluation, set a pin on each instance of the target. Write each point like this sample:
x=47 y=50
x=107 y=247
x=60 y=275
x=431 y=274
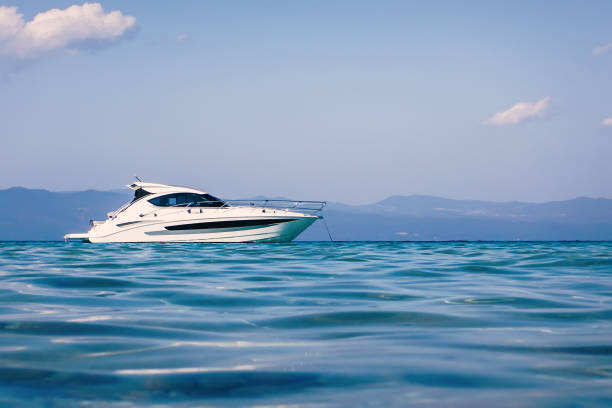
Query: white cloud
x=607 y=122
x=54 y=30
x=520 y=112
x=602 y=49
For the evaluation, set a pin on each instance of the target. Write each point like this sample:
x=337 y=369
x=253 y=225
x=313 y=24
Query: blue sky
x=347 y=101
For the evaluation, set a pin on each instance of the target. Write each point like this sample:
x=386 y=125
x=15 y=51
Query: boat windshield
x=187 y=200
x=140 y=193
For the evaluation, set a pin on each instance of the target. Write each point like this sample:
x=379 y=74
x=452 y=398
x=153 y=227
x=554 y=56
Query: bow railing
x=305 y=207
x=309 y=207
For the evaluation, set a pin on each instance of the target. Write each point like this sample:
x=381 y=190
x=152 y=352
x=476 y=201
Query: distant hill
x=435 y=218
x=44 y=215
x=27 y=214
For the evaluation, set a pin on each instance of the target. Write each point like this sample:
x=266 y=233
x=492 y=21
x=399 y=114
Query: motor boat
x=163 y=213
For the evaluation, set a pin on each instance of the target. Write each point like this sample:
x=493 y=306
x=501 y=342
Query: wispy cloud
x=68 y=30
x=520 y=112
x=607 y=122
x=602 y=49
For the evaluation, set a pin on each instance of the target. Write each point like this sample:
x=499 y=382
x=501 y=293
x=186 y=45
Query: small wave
x=310 y=324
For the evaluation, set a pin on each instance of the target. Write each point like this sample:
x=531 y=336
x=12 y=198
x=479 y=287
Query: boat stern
x=77 y=237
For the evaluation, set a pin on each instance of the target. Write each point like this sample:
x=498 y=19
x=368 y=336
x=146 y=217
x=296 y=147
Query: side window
x=164 y=201
x=210 y=201
x=186 y=199
x=156 y=201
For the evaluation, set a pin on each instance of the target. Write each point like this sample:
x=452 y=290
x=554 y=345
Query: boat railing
x=114 y=214
x=305 y=206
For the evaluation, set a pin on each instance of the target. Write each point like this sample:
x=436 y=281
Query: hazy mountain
x=43 y=215
x=435 y=218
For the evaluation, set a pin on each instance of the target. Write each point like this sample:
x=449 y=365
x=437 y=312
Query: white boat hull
x=163 y=213
x=158 y=232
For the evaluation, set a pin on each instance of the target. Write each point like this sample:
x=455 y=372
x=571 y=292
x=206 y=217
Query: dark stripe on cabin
x=228 y=224
x=123 y=224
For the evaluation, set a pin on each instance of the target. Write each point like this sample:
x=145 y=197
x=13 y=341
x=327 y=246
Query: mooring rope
x=327 y=228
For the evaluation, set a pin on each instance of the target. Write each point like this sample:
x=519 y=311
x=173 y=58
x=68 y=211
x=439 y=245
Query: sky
x=349 y=101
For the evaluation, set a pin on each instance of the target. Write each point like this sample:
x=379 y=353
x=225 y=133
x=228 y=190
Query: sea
x=306 y=324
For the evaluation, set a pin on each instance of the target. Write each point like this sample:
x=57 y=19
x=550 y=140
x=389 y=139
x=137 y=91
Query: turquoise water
x=306 y=324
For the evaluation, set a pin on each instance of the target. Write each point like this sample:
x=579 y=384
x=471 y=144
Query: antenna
x=137 y=178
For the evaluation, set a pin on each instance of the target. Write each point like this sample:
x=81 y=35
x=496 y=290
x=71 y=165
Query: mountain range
x=28 y=214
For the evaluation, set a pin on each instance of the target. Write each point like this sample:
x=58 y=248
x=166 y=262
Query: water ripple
x=310 y=324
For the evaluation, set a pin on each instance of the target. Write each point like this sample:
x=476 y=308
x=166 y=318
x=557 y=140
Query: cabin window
x=186 y=200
